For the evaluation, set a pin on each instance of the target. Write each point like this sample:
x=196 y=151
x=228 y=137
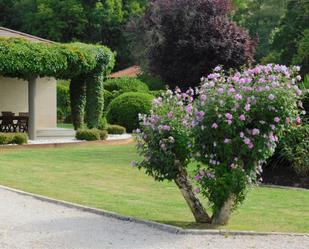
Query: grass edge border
x=152 y=224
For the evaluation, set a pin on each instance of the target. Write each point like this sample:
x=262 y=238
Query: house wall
x=14 y=98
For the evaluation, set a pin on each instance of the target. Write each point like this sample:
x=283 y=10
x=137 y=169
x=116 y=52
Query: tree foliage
x=92 y=21
x=289 y=43
x=260 y=19
x=196 y=32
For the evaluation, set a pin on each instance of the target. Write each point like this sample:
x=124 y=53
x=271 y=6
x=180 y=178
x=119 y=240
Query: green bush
x=293 y=150
x=103 y=124
x=124 y=109
x=20 y=138
x=13 y=138
x=125 y=84
x=103 y=134
x=116 y=129
x=153 y=82
x=88 y=134
x=63 y=103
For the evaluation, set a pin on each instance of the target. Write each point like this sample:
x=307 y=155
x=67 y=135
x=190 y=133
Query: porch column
x=32 y=95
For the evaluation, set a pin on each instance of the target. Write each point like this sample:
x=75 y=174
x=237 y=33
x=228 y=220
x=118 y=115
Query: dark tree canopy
x=183 y=40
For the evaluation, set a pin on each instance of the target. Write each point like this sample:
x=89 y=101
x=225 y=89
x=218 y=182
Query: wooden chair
x=22 y=123
x=8 y=124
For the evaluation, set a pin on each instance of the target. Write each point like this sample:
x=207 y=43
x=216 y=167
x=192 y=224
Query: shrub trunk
x=193 y=202
x=223 y=215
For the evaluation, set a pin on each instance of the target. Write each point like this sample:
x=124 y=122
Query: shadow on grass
x=188 y=225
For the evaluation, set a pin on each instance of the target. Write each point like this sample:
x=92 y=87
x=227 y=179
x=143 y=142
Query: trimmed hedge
x=13 y=138
x=124 y=109
x=103 y=134
x=63 y=103
x=116 y=129
x=125 y=84
x=88 y=134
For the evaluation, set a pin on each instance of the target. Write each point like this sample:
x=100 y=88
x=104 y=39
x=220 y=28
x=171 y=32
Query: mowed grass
x=101 y=176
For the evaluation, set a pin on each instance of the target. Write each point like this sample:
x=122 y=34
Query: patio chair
x=22 y=123
x=7 y=124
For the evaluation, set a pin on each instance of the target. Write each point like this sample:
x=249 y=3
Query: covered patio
x=27 y=106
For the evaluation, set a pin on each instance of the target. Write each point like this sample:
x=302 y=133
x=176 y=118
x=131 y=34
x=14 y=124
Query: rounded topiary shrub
x=125 y=84
x=88 y=134
x=103 y=134
x=124 y=109
x=116 y=129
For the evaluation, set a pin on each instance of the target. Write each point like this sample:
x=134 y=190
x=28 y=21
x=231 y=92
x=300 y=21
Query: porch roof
x=9 y=33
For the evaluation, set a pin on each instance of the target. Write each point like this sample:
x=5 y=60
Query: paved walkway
x=26 y=222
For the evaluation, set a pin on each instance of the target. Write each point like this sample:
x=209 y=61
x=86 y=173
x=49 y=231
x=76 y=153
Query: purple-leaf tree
x=182 y=40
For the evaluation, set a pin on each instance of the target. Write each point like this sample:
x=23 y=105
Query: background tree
x=196 y=32
x=290 y=38
x=260 y=18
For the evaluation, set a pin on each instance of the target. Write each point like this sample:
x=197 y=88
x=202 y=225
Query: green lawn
x=101 y=177
x=65 y=125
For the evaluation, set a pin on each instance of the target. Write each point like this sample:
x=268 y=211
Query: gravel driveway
x=26 y=222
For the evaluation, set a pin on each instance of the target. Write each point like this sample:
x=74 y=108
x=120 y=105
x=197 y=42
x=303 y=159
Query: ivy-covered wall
x=84 y=64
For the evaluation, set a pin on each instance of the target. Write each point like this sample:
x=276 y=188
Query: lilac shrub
x=244 y=115
x=230 y=125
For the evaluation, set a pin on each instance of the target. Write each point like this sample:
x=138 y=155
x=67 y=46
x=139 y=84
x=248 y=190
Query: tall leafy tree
x=260 y=18
x=289 y=39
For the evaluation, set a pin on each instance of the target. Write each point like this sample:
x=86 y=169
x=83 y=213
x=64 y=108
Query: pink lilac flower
x=217 y=68
x=170 y=114
x=189 y=108
x=247 y=141
x=277 y=119
x=273 y=127
x=242 y=135
x=229 y=122
x=232 y=90
x=298 y=77
x=250 y=146
x=200 y=115
x=203 y=97
x=287 y=120
x=247 y=107
x=166 y=128
x=197 y=190
x=197 y=178
x=238 y=96
x=227 y=141
x=242 y=117
x=233 y=166
x=214 y=126
x=298 y=120
x=229 y=116
x=255 y=132
x=221 y=90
